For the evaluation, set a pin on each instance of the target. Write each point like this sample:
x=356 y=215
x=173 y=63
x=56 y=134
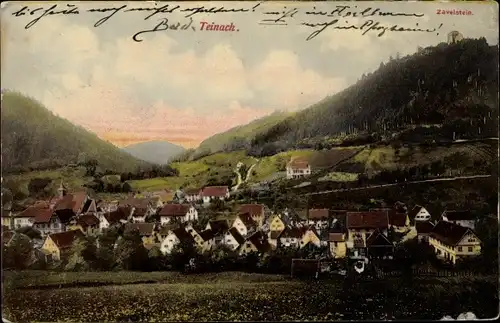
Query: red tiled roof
x=259 y=240
x=121 y=213
x=43 y=215
x=87 y=220
x=336 y=237
x=397 y=219
x=293 y=232
x=297 y=163
x=458 y=215
x=318 y=214
x=65 y=239
x=275 y=234
x=174 y=210
x=33 y=211
x=253 y=209
x=247 y=220
x=207 y=234
x=217 y=191
x=377 y=239
x=368 y=220
x=424 y=227
x=72 y=202
x=145 y=229
x=448 y=232
x=218 y=226
x=236 y=234
x=183 y=236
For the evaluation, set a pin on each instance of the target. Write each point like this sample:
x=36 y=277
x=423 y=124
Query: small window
x=469 y=249
x=459 y=248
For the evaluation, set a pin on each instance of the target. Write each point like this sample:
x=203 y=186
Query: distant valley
x=157 y=152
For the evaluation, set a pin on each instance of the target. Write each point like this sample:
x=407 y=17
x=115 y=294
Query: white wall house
x=210 y=193
x=23 y=221
x=297 y=168
x=422 y=214
x=181 y=212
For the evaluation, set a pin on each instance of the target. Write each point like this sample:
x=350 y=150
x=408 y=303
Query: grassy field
x=237 y=296
x=388 y=158
x=340 y=177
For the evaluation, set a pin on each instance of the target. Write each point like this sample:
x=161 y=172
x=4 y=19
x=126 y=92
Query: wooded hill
x=33 y=138
x=451 y=89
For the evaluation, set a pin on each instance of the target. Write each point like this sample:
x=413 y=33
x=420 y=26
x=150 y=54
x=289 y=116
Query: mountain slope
x=454 y=86
x=33 y=137
x=157 y=152
x=239 y=137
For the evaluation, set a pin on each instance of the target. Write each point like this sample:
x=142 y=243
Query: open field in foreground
x=236 y=296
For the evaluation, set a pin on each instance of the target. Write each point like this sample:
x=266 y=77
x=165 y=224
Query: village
x=193 y=217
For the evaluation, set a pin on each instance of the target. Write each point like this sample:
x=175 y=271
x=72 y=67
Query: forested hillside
x=240 y=137
x=157 y=152
x=33 y=138
x=452 y=89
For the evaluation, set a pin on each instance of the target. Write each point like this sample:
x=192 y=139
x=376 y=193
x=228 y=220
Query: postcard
x=249 y=161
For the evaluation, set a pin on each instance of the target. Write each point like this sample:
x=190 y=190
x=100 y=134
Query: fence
x=427 y=273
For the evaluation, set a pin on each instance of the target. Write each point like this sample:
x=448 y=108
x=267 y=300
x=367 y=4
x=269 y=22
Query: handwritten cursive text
x=71 y=9
x=166 y=25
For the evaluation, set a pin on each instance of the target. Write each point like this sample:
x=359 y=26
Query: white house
x=210 y=193
x=117 y=216
x=419 y=213
x=233 y=239
x=244 y=224
x=192 y=195
x=291 y=237
x=297 y=168
x=462 y=218
x=47 y=222
x=180 y=212
x=173 y=238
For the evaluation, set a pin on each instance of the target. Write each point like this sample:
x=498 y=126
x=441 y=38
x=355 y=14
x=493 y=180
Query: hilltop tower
x=454 y=37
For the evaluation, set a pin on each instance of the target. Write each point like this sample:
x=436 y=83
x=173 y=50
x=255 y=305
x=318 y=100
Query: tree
x=105 y=252
x=81 y=255
x=130 y=252
x=30 y=232
x=126 y=188
x=91 y=166
x=37 y=185
x=18 y=254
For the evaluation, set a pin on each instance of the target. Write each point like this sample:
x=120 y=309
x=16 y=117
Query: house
x=58 y=244
x=47 y=222
x=297 y=168
x=423 y=229
x=338 y=221
x=196 y=236
x=174 y=238
x=70 y=205
x=208 y=239
x=244 y=223
x=319 y=218
x=218 y=228
x=400 y=222
x=233 y=239
x=88 y=223
x=192 y=195
x=419 y=213
x=379 y=246
x=452 y=241
x=7 y=218
x=276 y=223
x=362 y=224
x=178 y=212
x=164 y=230
x=141 y=208
x=118 y=216
x=337 y=242
x=463 y=218
x=310 y=236
x=291 y=237
x=210 y=193
x=27 y=217
x=257 y=242
x=274 y=237
x=90 y=206
x=146 y=231
x=256 y=211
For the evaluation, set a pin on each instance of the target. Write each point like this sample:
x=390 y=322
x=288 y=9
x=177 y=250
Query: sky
x=183 y=86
